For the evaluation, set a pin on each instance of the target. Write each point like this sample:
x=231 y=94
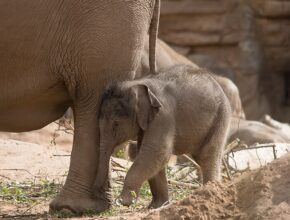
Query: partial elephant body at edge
x=56 y=54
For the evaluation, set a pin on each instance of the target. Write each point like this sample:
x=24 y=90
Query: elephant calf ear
x=146 y=105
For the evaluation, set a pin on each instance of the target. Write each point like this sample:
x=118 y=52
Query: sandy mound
x=210 y=202
x=265 y=193
x=260 y=194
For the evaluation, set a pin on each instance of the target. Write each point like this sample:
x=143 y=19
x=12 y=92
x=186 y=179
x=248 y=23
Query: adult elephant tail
x=153 y=33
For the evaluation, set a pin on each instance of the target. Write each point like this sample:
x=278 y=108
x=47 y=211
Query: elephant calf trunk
x=103 y=168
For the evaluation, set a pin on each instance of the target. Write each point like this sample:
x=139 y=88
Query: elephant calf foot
x=128 y=196
x=158 y=203
x=78 y=205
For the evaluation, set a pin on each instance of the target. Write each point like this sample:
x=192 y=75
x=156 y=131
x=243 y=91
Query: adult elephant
x=60 y=53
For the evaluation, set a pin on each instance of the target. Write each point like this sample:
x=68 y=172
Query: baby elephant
x=182 y=110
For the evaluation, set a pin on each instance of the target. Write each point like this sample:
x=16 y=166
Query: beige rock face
x=250 y=40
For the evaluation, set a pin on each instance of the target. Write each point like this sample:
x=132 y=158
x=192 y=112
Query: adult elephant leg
x=77 y=193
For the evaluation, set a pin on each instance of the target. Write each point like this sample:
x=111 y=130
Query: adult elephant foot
x=78 y=198
x=77 y=205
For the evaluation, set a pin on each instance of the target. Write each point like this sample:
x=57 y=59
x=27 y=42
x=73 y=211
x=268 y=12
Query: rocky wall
x=246 y=40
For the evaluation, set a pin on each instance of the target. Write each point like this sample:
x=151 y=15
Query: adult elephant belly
x=33 y=111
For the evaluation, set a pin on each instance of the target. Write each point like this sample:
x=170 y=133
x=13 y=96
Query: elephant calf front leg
x=158 y=183
x=148 y=163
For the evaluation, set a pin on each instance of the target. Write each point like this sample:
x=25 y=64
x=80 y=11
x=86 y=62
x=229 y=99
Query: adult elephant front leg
x=77 y=195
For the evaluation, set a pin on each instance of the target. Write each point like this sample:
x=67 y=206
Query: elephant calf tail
x=153 y=33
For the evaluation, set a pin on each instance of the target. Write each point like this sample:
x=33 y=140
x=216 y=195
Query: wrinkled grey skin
x=60 y=53
x=182 y=110
x=166 y=57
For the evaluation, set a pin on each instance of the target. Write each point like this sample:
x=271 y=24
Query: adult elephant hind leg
x=77 y=193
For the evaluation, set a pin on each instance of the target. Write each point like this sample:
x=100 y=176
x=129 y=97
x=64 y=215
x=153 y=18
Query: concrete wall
x=248 y=41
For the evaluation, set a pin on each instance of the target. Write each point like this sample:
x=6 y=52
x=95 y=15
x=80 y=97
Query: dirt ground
x=33 y=162
x=260 y=194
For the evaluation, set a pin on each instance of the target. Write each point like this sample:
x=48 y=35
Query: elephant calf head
x=126 y=109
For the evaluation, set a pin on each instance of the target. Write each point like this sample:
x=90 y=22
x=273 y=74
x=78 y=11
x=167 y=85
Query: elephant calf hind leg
x=210 y=157
x=210 y=161
x=159 y=189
